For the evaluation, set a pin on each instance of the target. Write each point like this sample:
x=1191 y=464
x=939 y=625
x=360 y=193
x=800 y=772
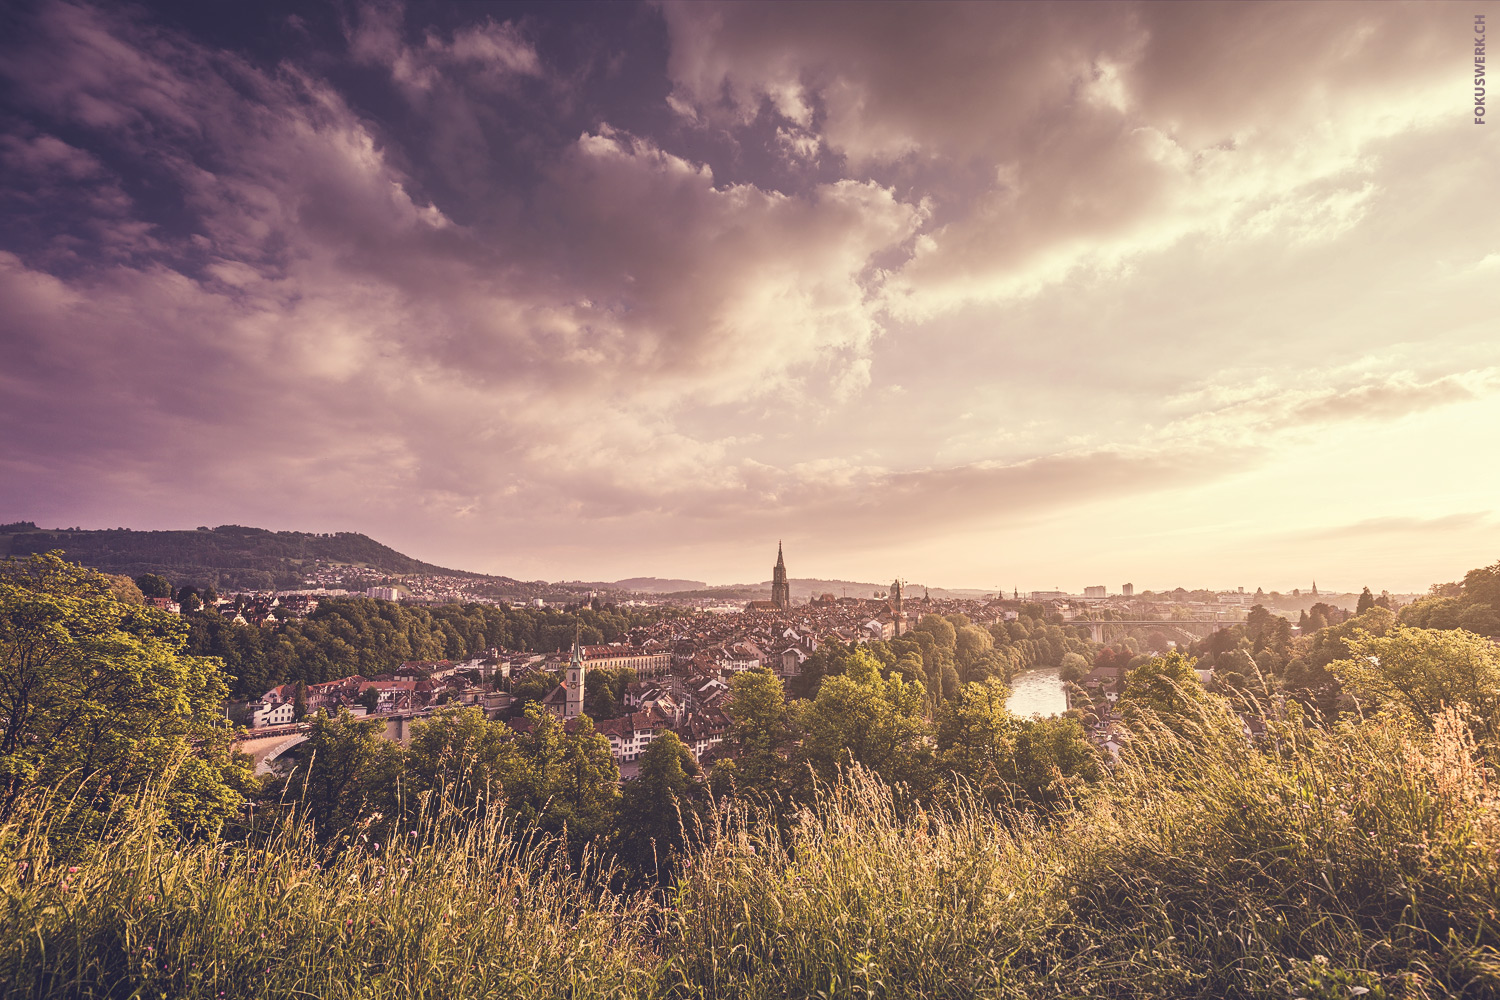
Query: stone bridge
x=264 y=746
x=1205 y=625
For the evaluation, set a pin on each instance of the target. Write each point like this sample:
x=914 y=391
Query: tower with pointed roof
x=575 y=679
x=781 y=590
x=897 y=615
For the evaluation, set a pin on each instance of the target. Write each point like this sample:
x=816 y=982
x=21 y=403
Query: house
x=630 y=734
x=274 y=708
x=789 y=663
x=740 y=657
x=702 y=731
x=707 y=694
x=1103 y=680
x=391 y=695
x=556 y=701
x=428 y=668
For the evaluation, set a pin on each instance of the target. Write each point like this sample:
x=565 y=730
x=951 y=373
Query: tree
x=605 y=692
x=1006 y=759
x=349 y=772
x=1422 y=671
x=758 y=730
x=1074 y=667
x=99 y=691
x=660 y=808
x=462 y=755
x=1366 y=602
x=190 y=599
x=531 y=689
x=1166 y=685
x=1482 y=586
x=299 y=701
x=972 y=645
x=370 y=699
x=154 y=586
x=974 y=738
x=568 y=782
x=124 y=589
x=864 y=718
x=1052 y=759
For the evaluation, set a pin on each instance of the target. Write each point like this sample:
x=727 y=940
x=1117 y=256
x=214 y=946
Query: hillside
x=229 y=556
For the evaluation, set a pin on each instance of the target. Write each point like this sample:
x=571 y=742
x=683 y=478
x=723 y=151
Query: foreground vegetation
x=886 y=834
x=1358 y=859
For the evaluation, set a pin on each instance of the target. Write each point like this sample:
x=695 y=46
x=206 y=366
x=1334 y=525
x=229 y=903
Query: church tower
x=896 y=615
x=781 y=591
x=575 y=679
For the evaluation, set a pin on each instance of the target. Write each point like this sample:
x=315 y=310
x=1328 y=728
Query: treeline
x=1260 y=659
x=1472 y=603
x=226 y=557
x=361 y=635
x=942 y=653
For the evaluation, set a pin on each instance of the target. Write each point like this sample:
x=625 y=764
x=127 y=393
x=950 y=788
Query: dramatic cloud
x=1068 y=138
x=635 y=292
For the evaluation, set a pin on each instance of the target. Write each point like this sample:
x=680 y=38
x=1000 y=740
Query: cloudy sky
x=1037 y=296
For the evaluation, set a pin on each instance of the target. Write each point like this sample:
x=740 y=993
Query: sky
x=977 y=295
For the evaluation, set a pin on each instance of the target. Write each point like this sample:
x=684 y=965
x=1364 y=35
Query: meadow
x=1357 y=859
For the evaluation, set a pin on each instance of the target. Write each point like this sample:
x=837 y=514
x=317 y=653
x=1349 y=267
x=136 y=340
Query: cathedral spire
x=781 y=590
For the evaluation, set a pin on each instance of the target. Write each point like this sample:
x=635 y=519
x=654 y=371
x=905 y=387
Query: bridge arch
x=268 y=751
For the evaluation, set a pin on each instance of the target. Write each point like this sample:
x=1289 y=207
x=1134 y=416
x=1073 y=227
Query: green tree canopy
x=660 y=808
x=1167 y=686
x=864 y=718
x=94 y=689
x=759 y=732
x=154 y=586
x=460 y=754
x=346 y=772
x=1422 y=671
x=1006 y=759
x=569 y=781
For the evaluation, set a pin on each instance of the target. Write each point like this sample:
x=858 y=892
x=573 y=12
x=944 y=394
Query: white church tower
x=575 y=678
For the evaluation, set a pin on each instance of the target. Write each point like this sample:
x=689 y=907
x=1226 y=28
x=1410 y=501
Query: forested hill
x=228 y=556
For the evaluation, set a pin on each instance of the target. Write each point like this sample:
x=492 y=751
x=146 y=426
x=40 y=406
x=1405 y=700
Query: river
x=1037 y=692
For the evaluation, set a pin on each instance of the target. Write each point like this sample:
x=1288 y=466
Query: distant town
x=677 y=671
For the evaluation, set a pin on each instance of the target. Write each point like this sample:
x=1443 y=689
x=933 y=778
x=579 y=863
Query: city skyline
x=1050 y=293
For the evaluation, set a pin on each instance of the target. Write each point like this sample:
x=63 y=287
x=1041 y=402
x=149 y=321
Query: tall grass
x=1354 y=860
x=1362 y=860
x=454 y=907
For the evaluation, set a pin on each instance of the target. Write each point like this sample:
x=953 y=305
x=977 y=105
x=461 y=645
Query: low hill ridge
x=229 y=556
